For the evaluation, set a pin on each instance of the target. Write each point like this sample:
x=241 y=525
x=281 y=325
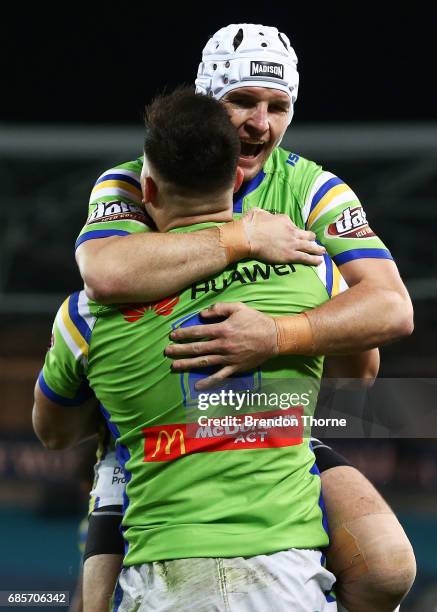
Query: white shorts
x=288 y=581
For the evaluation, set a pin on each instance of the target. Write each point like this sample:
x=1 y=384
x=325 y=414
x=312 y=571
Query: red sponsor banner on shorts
x=271 y=429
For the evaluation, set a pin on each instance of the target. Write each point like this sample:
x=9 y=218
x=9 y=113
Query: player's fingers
x=260 y=212
x=304 y=235
x=192 y=348
x=309 y=260
x=249 y=214
x=211 y=381
x=310 y=247
x=222 y=309
x=182 y=365
x=195 y=332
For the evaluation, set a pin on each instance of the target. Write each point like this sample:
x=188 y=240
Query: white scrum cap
x=248 y=55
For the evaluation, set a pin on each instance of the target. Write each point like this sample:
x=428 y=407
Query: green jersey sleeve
x=334 y=213
x=63 y=377
x=115 y=206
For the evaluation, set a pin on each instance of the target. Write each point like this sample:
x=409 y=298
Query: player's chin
x=251 y=166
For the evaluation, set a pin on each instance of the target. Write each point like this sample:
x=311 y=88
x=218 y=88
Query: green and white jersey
x=313 y=198
x=194 y=490
x=115 y=207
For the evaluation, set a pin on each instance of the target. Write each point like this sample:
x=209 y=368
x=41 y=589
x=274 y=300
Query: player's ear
x=239 y=176
x=150 y=190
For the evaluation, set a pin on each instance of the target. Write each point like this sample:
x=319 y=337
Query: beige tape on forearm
x=233 y=239
x=294 y=335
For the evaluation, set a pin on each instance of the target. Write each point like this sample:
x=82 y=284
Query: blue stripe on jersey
x=83 y=393
x=119 y=177
x=342 y=258
x=315 y=470
x=78 y=320
x=329 y=596
x=245 y=190
x=118 y=596
x=122 y=454
x=110 y=425
x=99 y=234
x=121 y=451
x=323 y=190
x=329 y=274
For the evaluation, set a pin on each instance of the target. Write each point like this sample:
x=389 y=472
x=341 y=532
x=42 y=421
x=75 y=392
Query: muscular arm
x=60 y=427
x=363 y=366
x=150 y=266
x=376 y=309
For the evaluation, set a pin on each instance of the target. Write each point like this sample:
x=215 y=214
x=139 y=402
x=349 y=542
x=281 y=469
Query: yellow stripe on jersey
x=116 y=185
x=336 y=278
x=327 y=199
x=92 y=504
x=76 y=336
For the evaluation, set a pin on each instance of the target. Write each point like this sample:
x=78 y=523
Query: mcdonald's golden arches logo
x=170 y=439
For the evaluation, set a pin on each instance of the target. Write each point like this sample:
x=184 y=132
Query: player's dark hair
x=191 y=142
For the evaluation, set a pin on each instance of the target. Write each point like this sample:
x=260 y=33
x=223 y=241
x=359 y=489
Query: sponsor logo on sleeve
x=116 y=211
x=267 y=69
x=352 y=223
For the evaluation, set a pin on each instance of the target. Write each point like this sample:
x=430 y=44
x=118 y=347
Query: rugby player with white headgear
x=252 y=70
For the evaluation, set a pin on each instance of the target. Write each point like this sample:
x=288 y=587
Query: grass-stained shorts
x=287 y=581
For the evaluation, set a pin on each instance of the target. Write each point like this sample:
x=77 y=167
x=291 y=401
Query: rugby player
x=252 y=70
x=243 y=528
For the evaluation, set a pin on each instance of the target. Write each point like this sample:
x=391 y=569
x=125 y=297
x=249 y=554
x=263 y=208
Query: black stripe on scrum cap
x=238 y=39
x=282 y=40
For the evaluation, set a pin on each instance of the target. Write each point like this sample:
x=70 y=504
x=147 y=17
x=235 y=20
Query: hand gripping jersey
x=288 y=184
x=198 y=490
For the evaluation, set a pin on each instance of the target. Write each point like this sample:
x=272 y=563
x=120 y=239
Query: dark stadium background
x=73 y=88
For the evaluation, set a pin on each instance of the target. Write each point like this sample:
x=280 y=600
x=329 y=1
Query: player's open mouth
x=251 y=150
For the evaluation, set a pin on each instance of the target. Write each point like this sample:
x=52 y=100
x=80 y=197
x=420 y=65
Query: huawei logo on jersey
x=134 y=312
x=352 y=223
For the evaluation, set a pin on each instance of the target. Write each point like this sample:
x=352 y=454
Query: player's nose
x=258 y=119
